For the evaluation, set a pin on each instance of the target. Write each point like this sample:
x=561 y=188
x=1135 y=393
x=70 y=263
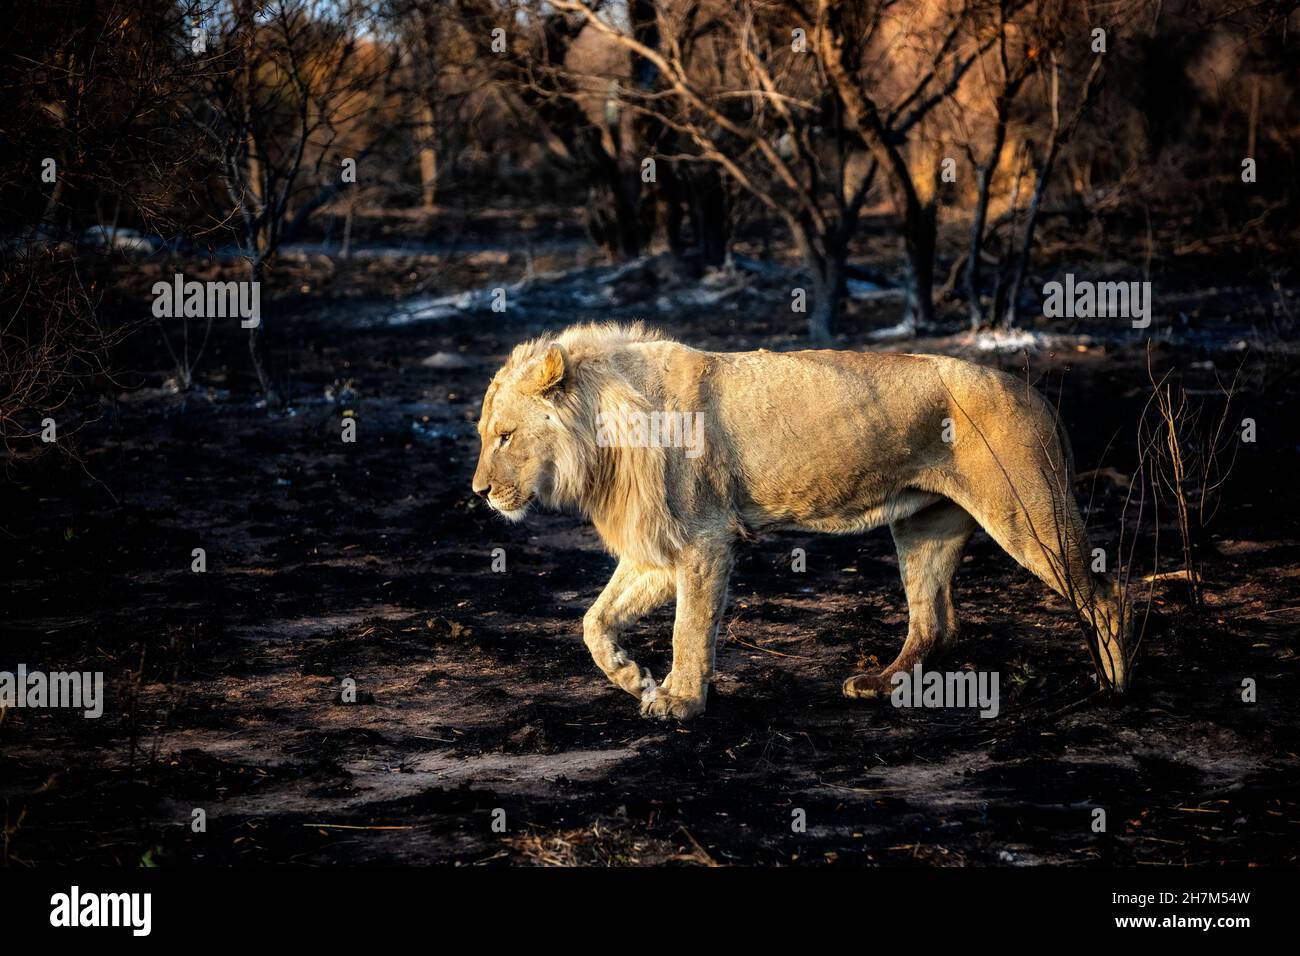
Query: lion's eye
x=505 y=438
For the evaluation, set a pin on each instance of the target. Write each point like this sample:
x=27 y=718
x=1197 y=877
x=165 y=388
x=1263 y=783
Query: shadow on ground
x=372 y=561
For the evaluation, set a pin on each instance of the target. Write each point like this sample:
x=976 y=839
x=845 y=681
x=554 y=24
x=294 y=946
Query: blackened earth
x=373 y=561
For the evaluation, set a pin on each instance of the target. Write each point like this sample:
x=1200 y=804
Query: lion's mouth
x=514 y=511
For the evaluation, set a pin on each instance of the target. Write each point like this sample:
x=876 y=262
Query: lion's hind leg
x=930 y=545
x=1028 y=508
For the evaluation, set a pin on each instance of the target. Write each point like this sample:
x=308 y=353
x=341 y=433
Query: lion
x=677 y=455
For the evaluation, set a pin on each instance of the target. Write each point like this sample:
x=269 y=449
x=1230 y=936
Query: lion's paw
x=865 y=687
x=666 y=706
x=649 y=690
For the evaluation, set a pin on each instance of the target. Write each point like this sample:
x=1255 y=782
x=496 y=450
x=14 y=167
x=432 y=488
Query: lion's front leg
x=701 y=598
x=632 y=592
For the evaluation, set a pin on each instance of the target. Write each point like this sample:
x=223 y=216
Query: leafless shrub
x=288 y=94
x=51 y=341
x=1190 y=457
x=91 y=138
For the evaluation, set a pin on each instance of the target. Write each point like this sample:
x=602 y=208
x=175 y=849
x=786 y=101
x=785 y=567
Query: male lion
x=818 y=440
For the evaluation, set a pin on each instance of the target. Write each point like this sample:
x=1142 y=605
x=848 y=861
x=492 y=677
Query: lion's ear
x=550 y=373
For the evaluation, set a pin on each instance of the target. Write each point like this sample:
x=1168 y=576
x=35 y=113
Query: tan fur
x=817 y=440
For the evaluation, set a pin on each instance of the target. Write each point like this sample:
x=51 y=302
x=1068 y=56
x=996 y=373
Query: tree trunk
x=919 y=235
x=709 y=215
x=345 y=249
x=1058 y=137
x=51 y=220
x=257 y=347
x=828 y=289
x=916 y=219
x=427 y=138
x=979 y=221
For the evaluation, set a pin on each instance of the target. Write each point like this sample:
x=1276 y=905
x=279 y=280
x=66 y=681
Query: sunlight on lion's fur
x=818 y=440
x=622 y=493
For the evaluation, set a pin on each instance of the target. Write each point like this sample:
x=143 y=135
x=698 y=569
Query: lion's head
x=541 y=440
x=525 y=441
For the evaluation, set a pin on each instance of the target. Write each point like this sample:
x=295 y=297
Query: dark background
x=521 y=170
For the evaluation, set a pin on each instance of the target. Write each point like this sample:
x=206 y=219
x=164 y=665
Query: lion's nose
x=482 y=491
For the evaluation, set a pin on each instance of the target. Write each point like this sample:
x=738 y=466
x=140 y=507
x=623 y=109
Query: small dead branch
x=1189 y=465
x=731 y=633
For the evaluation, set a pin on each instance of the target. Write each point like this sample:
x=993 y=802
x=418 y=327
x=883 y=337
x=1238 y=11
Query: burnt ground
x=372 y=561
